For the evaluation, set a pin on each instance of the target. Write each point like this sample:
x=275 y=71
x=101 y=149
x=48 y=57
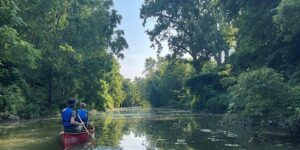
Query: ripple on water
x=213 y=139
x=180 y=141
x=160 y=139
x=206 y=130
x=232 y=145
x=227 y=133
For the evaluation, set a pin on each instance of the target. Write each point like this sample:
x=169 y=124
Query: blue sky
x=139 y=44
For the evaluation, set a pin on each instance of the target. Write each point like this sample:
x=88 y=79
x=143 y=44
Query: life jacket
x=66 y=115
x=83 y=114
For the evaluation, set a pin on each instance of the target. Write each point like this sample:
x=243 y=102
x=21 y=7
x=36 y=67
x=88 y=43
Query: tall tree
x=190 y=27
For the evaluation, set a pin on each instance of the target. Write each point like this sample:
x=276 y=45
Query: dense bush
x=217 y=104
x=208 y=88
x=11 y=99
x=262 y=96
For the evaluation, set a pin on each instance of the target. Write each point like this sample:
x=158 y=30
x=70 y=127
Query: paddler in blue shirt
x=83 y=114
x=69 y=118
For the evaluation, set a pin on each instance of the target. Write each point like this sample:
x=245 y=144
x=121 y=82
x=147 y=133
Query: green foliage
x=15 y=51
x=149 y=65
x=9 y=13
x=288 y=14
x=116 y=86
x=17 y=56
x=217 y=104
x=208 y=89
x=261 y=35
x=11 y=99
x=262 y=95
x=53 y=50
x=190 y=27
x=106 y=100
x=209 y=67
x=164 y=86
x=133 y=95
x=268 y=36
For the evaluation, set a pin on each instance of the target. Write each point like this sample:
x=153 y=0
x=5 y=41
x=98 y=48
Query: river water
x=143 y=129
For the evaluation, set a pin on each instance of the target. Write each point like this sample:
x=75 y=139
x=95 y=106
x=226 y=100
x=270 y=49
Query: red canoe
x=72 y=139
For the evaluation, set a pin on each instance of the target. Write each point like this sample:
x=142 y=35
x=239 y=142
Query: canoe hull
x=71 y=139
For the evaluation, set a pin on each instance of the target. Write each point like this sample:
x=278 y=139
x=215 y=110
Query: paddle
x=86 y=130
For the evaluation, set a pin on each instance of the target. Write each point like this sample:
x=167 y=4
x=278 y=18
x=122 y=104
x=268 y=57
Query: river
x=143 y=129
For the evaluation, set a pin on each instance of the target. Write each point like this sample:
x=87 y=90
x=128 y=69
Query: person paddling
x=83 y=114
x=69 y=118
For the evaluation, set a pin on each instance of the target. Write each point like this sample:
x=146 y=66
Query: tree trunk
x=197 y=65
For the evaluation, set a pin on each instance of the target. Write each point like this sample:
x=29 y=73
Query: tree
x=250 y=18
x=190 y=27
x=134 y=93
x=262 y=40
x=165 y=86
x=287 y=13
x=54 y=50
x=17 y=56
x=76 y=38
x=115 y=81
x=150 y=64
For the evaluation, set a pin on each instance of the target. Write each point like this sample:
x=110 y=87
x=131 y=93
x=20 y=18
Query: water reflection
x=132 y=141
x=33 y=135
x=139 y=129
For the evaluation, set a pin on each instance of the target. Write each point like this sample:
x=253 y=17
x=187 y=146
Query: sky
x=139 y=44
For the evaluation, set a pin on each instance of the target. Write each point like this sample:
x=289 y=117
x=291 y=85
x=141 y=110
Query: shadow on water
x=141 y=129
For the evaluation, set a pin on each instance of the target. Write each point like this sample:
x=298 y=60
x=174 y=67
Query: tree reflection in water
x=142 y=129
x=172 y=129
